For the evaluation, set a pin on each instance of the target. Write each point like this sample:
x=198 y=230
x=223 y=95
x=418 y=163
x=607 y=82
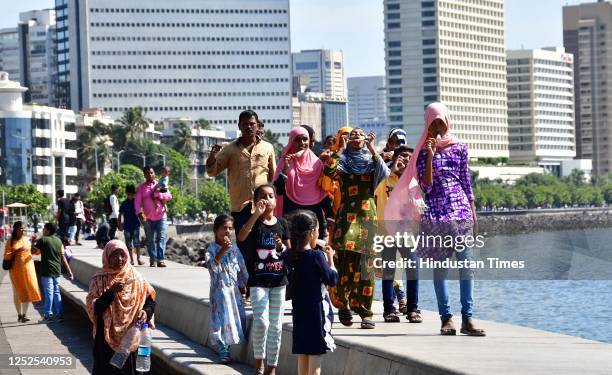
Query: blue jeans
x=156 y=239
x=51 y=293
x=132 y=238
x=466 y=287
x=412 y=280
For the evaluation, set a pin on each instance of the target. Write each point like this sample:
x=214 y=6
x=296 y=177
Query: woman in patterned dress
x=436 y=191
x=359 y=169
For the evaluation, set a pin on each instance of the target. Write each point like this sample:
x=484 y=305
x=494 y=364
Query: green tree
x=203 y=124
x=273 y=138
x=182 y=140
x=28 y=194
x=96 y=140
x=576 y=177
x=214 y=197
x=135 y=123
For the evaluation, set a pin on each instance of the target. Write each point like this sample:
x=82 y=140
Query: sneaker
x=46 y=320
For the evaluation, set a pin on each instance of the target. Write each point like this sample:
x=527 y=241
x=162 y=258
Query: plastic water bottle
x=143 y=360
x=123 y=352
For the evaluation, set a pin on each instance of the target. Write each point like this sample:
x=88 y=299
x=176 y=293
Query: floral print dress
x=227 y=316
x=355 y=229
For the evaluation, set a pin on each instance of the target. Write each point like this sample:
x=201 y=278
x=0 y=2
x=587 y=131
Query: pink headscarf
x=303 y=174
x=406 y=201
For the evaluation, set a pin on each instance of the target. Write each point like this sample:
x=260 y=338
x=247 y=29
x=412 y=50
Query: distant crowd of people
x=303 y=230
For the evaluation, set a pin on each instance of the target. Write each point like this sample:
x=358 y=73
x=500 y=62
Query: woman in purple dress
x=437 y=185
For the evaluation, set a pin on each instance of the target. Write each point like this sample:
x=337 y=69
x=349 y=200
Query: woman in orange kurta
x=23 y=275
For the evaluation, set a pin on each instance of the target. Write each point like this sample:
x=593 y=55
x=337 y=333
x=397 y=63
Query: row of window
x=186 y=94
x=473 y=17
x=190 y=38
x=185 y=24
x=458 y=34
x=189 y=66
x=188 y=53
x=475 y=29
x=464 y=54
x=190 y=80
x=475 y=7
x=183 y=10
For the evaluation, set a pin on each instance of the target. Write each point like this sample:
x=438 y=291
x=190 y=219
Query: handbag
x=7 y=264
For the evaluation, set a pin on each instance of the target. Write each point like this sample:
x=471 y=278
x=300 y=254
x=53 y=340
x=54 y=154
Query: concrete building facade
x=453 y=52
x=586 y=34
x=367 y=104
x=324 y=70
x=186 y=58
x=541 y=107
x=37 y=143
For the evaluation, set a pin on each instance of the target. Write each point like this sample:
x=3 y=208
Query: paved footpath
x=72 y=337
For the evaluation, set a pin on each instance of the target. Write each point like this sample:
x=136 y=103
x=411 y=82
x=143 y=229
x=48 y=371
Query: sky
x=356 y=27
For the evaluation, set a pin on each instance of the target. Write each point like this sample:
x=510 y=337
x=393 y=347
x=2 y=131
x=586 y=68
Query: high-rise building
x=586 y=34
x=37 y=143
x=333 y=112
x=9 y=52
x=187 y=58
x=308 y=113
x=367 y=106
x=27 y=53
x=324 y=70
x=37 y=55
x=453 y=52
x=541 y=106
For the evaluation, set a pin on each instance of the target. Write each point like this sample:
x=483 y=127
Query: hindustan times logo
x=409 y=240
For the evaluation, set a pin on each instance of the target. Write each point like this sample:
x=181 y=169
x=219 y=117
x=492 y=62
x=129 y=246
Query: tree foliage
x=28 y=194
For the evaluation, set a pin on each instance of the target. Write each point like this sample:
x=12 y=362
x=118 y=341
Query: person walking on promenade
x=297 y=179
x=267 y=237
x=228 y=281
x=359 y=169
x=52 y=259
x=79 y=211
x=249 y=163
x=113 y=217
x=311 y=271
x=441 y=170
x=62 y=215
x=130 y=224
x=18 y=258
x=153 y=216
x=118 y=298
x=409 y=306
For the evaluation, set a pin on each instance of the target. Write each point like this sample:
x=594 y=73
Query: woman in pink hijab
x=435 y=196
x=296 y=179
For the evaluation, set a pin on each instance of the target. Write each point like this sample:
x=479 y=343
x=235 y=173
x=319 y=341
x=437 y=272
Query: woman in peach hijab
x=118 y=298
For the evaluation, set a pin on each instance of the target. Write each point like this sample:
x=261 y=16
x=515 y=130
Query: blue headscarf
x=362 y=162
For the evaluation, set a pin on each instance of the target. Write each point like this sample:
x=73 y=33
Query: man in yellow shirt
x=409 y=305
x=250 y=161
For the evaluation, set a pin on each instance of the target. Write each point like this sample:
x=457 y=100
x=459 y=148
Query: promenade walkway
x=182 y=296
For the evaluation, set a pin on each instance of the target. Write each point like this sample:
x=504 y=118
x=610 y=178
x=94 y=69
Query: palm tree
x=135 y=123
x=203 y=124
x=181 y=140
x=95 y=140
x=272 y=138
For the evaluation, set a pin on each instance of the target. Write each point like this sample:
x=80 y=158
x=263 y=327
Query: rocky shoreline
x=190 y=248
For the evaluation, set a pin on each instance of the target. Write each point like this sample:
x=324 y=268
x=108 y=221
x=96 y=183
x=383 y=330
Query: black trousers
x=113 y=228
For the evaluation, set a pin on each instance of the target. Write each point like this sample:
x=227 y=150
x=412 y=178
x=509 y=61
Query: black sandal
x=391 y=317
x=345 y=317
x=367 y=323
x=414 y=316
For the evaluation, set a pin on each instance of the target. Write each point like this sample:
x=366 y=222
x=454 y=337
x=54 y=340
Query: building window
x=430 y=79
x=429 y=60
x=307 y=65
x=395 y=81
x=429 y=70
x=428 y=13
x=428 y=23
x=395 y=62
x=393 y=25
x=393 y=6
x=393 y=16
x=394 y=43
x=429 y=42
x=395 y=53
x=395 y=72
x=427 y=4
x=430 y=88
x=429 y=51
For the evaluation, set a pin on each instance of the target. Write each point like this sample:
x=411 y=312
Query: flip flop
x=367 y=323
x=448 y=328
x=414 y=316
x=345 y=317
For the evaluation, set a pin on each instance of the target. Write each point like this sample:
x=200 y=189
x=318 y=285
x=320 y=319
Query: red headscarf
x=406 y=200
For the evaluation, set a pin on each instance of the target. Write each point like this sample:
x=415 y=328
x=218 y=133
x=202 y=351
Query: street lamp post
x=144 y=159
x=119 y=159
